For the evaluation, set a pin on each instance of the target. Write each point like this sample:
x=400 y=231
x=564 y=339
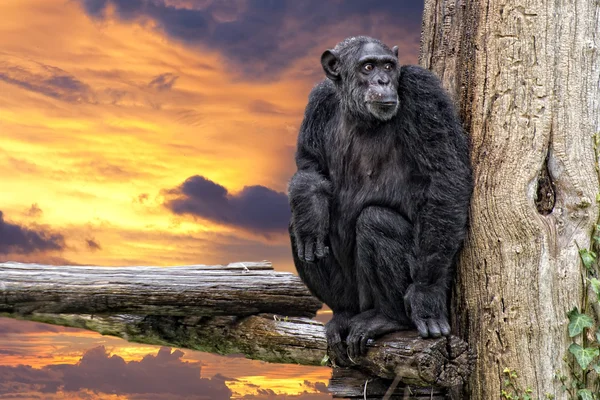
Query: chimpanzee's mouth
x=385 y=104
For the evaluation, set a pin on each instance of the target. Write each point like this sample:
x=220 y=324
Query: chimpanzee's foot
x=336 y=331
x=369 y=325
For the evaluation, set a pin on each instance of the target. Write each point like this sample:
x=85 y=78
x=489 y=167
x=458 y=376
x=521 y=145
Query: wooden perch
x=229 y=309
x=235 y=289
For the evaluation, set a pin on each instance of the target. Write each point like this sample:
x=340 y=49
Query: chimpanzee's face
x=376 y=73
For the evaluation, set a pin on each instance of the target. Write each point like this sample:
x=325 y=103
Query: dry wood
x=236 y=289
x=121 y=302
x=526 y=76
x=443 y=362
x=354 y=384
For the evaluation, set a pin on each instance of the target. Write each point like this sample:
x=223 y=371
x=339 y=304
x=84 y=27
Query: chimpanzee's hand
x=426 y=306
x=311 y=248
x=309 y=194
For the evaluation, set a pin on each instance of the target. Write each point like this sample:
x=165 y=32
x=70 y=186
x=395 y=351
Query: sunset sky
x=158 y=132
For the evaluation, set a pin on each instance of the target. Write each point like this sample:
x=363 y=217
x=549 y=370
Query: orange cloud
x=55 y=356
x=102 y=114
x=93 y=121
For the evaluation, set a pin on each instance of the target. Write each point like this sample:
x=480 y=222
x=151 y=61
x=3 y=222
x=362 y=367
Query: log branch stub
x=443 y=362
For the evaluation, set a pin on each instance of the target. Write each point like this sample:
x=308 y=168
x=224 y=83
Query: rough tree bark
x=526 y=76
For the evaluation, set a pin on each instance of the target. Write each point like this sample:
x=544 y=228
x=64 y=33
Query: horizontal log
x=228 y=309
x=442 y=362
x=235 y=289
x=266 y=337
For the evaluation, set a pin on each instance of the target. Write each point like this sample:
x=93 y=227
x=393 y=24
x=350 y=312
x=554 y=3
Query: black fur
x=381 y=196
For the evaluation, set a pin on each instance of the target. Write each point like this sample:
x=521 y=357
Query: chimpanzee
x=381 y=196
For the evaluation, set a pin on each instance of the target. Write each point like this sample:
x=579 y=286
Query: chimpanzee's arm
x=310 y=189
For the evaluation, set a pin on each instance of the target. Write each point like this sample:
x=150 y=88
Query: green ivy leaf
x=585 y=394
x=598 y=197
x=584 y=356
x=597 y=368
x=577 y=322
x=595 y=284
x=587 y=257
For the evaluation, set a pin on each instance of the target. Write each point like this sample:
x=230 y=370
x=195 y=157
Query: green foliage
x=585 y=394
x=588 y=257
x=578 y=322
x=596 y=237
x=511 y=389
x=584 y=355
x=583 y=380
x=325 y=361
x=595 y=285
x=584 y=366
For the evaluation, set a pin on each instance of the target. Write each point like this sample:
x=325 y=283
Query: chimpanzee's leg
x=336 y=287
x=384 y=245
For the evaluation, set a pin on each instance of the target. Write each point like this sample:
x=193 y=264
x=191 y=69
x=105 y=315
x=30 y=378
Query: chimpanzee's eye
x=388 y=67
x=368 y=67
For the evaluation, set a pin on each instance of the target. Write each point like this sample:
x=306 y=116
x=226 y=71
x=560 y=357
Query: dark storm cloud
x=163 y=81
x=34 y=211
x=22 y=240
x=265 y=36
x=15 y=379
x=92 y=245
x=318 y=386
x=255 y=208
x=164 y=373
x=45 y=79
x=268 y=394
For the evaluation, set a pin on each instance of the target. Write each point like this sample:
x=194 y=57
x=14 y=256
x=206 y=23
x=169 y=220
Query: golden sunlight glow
x=86 y=158
x=281 y=386
x=101 y=121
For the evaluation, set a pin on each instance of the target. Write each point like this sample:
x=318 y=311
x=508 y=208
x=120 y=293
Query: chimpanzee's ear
x=395 y=50
x=331 y=65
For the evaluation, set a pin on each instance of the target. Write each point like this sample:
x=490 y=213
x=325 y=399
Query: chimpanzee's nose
x=383 y=80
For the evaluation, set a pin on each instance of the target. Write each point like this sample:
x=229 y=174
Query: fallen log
x=225 y=310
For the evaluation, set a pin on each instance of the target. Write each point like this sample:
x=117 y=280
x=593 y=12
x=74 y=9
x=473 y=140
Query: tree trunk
x=526 y=77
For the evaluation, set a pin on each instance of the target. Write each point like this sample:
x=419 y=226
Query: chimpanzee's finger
x=434 y=328
x=445 y=327
x=363 y=344
x=300 y=248
x=309 y=250
x=353 y=342
x=421 y=327
x=320 y=248
x=341 y=354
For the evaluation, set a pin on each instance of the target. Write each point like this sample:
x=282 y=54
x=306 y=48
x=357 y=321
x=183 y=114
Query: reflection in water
x=46 y=361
